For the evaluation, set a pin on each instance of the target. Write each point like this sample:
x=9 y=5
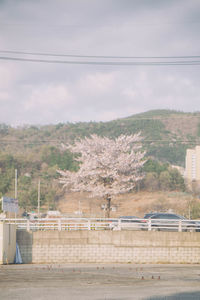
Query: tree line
x=44 y=163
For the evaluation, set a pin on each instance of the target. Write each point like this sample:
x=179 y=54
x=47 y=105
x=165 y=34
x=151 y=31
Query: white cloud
x=8 y=75
x=97 y=82
x=48 y=98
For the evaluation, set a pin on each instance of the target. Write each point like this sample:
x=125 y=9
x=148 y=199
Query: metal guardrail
x=104 y=224
x=59 y=224
x=180 y=225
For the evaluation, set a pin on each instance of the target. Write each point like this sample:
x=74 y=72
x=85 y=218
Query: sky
x=33 y=92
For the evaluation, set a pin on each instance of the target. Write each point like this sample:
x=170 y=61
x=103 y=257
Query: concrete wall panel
x=109 y=246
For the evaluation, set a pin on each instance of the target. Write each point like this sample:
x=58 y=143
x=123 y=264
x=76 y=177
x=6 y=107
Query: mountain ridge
x=167 y=133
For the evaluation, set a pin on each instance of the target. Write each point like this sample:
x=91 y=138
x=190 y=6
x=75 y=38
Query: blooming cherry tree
x=107 y=166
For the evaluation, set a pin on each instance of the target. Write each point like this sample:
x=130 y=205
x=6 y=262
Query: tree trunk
x=108 y=206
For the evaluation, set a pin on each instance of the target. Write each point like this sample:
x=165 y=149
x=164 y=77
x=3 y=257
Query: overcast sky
x=44 y=93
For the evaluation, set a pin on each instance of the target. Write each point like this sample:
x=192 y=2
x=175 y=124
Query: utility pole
x=39 y=198
x=15 y=183
x=15 y=189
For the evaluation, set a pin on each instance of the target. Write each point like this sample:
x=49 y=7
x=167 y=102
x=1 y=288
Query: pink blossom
x=107 y=166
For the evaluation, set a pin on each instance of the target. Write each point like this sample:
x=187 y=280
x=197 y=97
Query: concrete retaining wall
x=109 y=246
x=7 y=243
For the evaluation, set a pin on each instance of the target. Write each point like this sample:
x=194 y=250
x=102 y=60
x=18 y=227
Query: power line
x=108 y=63
x=97 y=56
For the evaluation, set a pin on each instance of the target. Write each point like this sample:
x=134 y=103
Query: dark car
x=25 y=214
x=147 y=216
x=172 y=222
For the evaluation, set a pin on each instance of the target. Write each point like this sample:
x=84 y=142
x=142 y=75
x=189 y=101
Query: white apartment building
x=192 y=164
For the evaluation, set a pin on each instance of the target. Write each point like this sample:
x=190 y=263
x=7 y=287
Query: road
x=99 y=282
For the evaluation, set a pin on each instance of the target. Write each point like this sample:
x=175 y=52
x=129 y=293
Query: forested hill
x=36 y=152
x=166 y=134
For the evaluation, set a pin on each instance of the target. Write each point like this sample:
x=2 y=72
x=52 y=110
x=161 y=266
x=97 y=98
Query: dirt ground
x=125 y=205
x=98 y=282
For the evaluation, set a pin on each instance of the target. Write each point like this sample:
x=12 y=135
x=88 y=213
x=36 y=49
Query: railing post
x=119 y=224
x=28 y=225
x=89 y=225
x=59 y=225
x=180 y=225
x=149 y=225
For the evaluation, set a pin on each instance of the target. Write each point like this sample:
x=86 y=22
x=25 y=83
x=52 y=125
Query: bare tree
x=107 y=166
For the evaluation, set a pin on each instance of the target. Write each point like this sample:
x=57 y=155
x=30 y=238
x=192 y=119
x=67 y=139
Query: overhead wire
x=111 y=63
x=107 y=59
x=97 y=56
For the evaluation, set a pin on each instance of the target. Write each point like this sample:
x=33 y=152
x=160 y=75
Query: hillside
x=130 y=204
x=166 y=133
x=36 y=152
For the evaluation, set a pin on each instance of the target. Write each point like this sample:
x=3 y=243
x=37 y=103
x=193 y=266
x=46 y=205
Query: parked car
x=127 y=222
x=171 y=222
x=147 y=216
x=25 y=214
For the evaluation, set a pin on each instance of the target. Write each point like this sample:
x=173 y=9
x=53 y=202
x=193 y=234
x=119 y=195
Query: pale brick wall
x=109 y=247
